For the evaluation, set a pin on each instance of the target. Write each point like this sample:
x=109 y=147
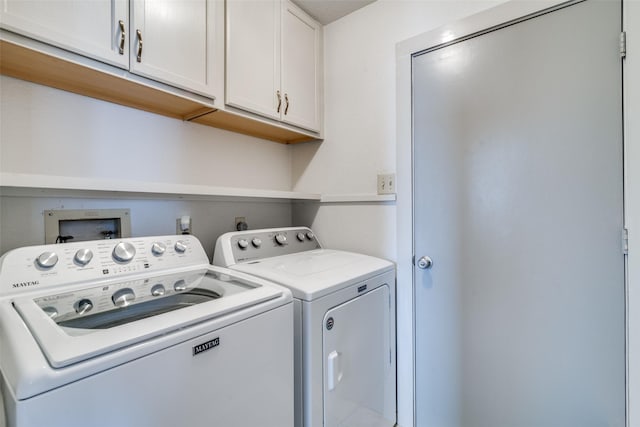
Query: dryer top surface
x=316 y=273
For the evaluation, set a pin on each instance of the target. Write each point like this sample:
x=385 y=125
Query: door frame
x=472 y=25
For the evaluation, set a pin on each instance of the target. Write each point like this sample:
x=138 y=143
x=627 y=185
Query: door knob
x=425 y=263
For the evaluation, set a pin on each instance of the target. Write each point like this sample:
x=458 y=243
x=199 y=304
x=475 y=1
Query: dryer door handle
x=334 y=370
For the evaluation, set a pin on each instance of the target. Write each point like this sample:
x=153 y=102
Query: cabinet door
x=253 y=56
x=300 y=68
x=97 y=28
x=174 y=42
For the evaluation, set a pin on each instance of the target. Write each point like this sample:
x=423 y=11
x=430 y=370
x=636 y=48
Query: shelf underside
x=118 y=86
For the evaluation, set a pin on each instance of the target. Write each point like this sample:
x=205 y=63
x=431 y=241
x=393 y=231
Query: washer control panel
x=252 y=245
x=38 y=267
x=78 y=303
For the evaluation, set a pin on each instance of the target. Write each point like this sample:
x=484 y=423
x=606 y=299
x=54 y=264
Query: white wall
x=357 y=227
x=47 y=131
x=360 y=92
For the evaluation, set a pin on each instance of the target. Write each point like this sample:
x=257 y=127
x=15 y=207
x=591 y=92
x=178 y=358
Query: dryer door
x=358 y=382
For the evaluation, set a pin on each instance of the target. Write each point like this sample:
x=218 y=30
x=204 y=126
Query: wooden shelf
x=43 y=64
x=12 y=184
x=38 y=67
x=241 y=124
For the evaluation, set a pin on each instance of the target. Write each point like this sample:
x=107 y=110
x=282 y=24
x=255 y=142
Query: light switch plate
x=387 y=183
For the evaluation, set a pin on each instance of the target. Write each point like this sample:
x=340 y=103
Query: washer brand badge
x=206 y=346
x=330 y=323
x=25 y=284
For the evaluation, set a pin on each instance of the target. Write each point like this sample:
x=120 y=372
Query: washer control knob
x=157 y=290
x=158 y=248
x=83 y=256
x=180 y=285
x=47 y=259
x=51 y=311
x=243 y=244
x=180 y=246
x=310 y=235
x=123 y=297
x=124 y=252
x=281 y=239
x=84 y=306
x=256 y=242
x=300 y=237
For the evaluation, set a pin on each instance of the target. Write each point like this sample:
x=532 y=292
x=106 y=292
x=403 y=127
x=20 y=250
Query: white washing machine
x=344 y=323
x=141 y=332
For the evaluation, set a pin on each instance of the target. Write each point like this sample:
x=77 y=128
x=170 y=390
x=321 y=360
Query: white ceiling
x=326 y=11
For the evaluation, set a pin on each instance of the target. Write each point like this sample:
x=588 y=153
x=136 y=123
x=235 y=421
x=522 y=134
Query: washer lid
x=316 y=273
x=83 y=323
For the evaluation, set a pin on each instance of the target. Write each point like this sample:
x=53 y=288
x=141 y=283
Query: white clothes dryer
x=344 y=323
x=141 y=332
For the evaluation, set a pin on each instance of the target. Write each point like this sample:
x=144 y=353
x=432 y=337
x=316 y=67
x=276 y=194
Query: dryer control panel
x=37 y=267
x=253 y=245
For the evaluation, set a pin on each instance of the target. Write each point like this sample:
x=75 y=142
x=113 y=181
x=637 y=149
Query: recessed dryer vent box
x=62 y=226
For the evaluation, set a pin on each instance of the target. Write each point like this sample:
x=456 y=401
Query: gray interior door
x=518 y=200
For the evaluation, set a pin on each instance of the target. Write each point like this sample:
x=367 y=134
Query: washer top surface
x=77 y=324
x=309 y=273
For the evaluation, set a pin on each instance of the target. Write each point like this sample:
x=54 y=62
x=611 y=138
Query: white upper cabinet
x=273 y=61
x=300 y=68
x=174 y=42
x=178 y=58
x=253 y=56
x=97 y=29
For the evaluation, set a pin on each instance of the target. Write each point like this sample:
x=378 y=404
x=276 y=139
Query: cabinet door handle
x=286 y=106
x=279 y=100
x=139 y=56
x=123 y=36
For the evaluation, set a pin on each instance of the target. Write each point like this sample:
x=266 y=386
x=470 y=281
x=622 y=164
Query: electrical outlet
x=386 y=183
x=183 y=225
x=241 y=223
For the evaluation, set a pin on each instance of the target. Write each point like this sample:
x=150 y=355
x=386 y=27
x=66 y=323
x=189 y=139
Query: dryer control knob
x=300 y=237
x=243 y=244
x=83 y=306
x=123 y=297
x=310 y=235
x=83 y=256
x=256 y=242
x=281 y=239
x=124 y=252
x=47 y=259
x=180 y=246
x=158 y=248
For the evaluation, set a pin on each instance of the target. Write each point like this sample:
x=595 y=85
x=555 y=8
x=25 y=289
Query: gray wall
x=22 y=218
